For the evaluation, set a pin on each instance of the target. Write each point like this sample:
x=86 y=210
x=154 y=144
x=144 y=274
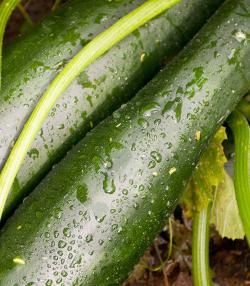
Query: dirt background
x=230 y=260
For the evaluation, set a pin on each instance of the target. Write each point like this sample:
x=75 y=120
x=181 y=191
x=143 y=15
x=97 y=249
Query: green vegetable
x=95 y=213
x=31 y=63
x=92 y=51
x=6 y=8
x=241 y=130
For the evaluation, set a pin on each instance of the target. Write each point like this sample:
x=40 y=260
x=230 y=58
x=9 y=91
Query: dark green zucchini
x=31 y=63
x=91 y=218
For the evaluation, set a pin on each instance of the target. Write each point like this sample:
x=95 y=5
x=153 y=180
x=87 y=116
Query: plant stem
x=241 y=131
x=56 y=4
x=162 y=266
x=244 y=108
x=6 y=8
x=200 y=248
x=25 y=15
x=170 y=248
x=96 y=48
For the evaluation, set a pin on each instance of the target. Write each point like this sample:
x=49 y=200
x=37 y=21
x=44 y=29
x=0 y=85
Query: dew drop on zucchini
x=156 y=155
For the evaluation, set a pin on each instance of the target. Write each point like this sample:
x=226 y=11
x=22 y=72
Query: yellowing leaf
x=208 y=174
x=225 y=213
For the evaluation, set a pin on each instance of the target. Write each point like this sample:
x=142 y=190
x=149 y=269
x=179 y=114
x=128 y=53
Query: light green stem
x=244 y=108
x=170 y=248
x=200 y=248
x=101 y=44
x=6 y=8
x=241 y=132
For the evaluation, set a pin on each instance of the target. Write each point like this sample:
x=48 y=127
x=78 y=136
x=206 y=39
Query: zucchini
x=95 y=213
x=32 y=62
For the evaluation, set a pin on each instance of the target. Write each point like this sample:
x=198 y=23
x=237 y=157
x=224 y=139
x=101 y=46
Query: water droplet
x=100 y=241
x=89 y=238
x=125 y=192
x=76 y=261
x=156 y=155
x=100 y=210
x=150 y=108
x=108 y=184
x=141 y=188
x=56 y=234
x=49 y=282
x=133 y=148
x=58 y=213
x=108 y=164
x=62 y=244
x=240 y=36
x=136 y=206
x=151 y=164
x=100 y=219
x=143 y=123
x=46 y=234
x=61 y=126
x=169 y=145
x=114 y=226
x=66 y=232
x=157 y=121
x=64 y=273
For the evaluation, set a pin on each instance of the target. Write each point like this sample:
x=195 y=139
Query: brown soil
x=230 y=260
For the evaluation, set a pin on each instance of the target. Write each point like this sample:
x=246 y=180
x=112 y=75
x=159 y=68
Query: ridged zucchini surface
x=33 y=61
x=93 y=216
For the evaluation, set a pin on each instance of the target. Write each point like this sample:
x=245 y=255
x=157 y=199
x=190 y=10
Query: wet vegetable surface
x=106 y=84
x=93 y=216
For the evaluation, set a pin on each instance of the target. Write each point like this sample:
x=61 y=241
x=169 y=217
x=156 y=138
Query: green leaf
x=207 y=176
x=225 y=212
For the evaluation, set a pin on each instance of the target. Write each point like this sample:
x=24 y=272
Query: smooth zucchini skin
x=94 y=214
x=31 y=63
